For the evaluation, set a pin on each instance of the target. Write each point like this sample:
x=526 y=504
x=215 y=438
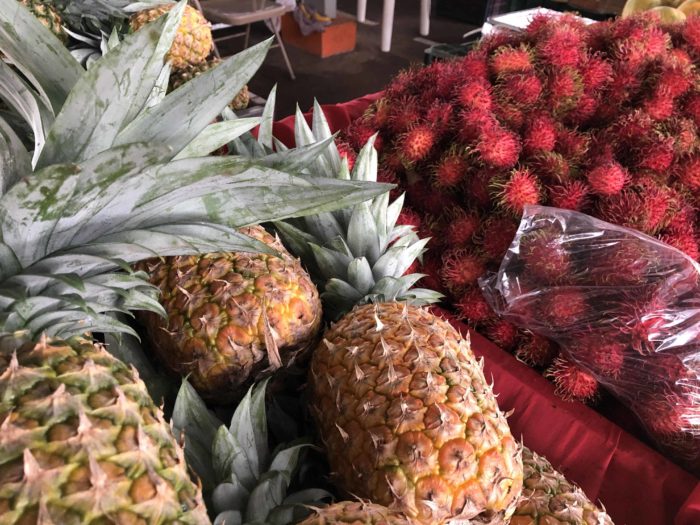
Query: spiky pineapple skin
x=48 y=15
x=217 y=331
x=408 y=420
x=549 y=498
x=81 y=441
x=356 y=513
x=193 y=40
x=181 y=76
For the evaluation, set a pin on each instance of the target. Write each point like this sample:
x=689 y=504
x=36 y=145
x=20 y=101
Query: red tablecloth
x=637 y=485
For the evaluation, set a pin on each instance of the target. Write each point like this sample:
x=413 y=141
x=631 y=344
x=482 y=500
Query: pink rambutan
x=544 y=256
x=584 y=110
x=475 y=95
x=445 y=74
x=434 y=202
x=562 y=47
x=674 y=81
x=608 y=178
x=474 y=66
x=685 y=136
x=508 y=59
x=688 y=173
x=659 y=105
x=510 y=114
x=360 y=132
x=572 y=382
x=449 y=172
x=460 y=270
x=522 y=88
x=572 y=144
x=379 y=113
x=472 y=124
x=540 y=135
x=405 y=112
x=623 y=262
x=495 y=236
x=668 y=415
x=417 y=143
x=388 y=176
x=595 y=74
x=535 y=350
x=630 y=126
x=440 y=115
x=685 y=241
x=519 y=189
x=550 y=166
x=498 y=148
x=565 y=87
x=564 y=308
x=691 y=34
x=461 y=227
x=502 y=333
x=476 y=187
x=691 y=107
x=409 y=217
x=642 y=43
x=603 y=357
x=472 y=307
x=572 y=195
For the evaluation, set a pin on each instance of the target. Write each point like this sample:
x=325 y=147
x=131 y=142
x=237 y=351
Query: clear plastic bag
x=622 y=305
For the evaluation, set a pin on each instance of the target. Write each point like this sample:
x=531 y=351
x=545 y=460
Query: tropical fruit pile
x=111 y=203
x=599 y=118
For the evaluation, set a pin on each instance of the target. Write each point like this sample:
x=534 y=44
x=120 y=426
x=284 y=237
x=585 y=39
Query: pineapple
x=243 y=479
x=181 y=76
x=118 y=173
x=48 y=15
x=193 y=42
x=402 y=406
x=232 y=316
x=81 y=440
x=548 y=497
x=356 y=513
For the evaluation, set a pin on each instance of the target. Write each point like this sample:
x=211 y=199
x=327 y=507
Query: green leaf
x=342 y=289
x=296 y=159
x=303 y=135
x=322 y=131
x=231 y=495
x=286 y=460
x=330 y=262
x=216 y=135
x=244 y=425
x=229 y=517
x=230 y=460
x=397 y=259
x=267 y=495
x=109 y=95
x=267 y=120
x=365 y=167
x=362 y=233
x=185 y=112
x=360 y=275
x=192 y=418
x=15 y=161
x=38 y=53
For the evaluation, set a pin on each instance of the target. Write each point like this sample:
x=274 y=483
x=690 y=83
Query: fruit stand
x=208 y=318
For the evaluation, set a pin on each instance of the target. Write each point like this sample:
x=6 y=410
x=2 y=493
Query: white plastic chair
x=388 y=19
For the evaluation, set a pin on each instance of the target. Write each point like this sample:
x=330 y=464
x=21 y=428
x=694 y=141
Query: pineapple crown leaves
x=358 y=253
x=65 y=224
x=242 y=481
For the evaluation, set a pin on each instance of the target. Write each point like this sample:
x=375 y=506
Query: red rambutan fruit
x=544 y=256
x=630 y=126
x=446 y=75
x=461 y=227
x=573 y=195
x=685 y=241
x=409 y=217
x=659 y=105
x=562 y=47
x=564 y=308
x=583 y=111
x=517 y=191
x=476 y=187
x=472 y=124
x=434 y=202
x=449 y=172
x=691 y=107
x=440 y=115
x=379 y=113
x=685 y=136
x=359 y=132
x=572 y=382
x=475 y=95
x=535 y=350
x=605 y=358
x=608 y=178
x=507 y=59
x=417 y=143
x=405 y=112
x=595 y=74
x=510 y=114
x=573 y=145
x=522 y=88
x=550 y=166
x=388 y=176
x=498 y=148
x=565 y=87
x=502 y=333
x=495 y=236
x=472 y=306
x=346 y=152
x=540 y=135
x=674 y=81
x=669 y=414
x=642 y=44
x=474 y=66
x=691 y=34
x=688 y=173
x=460 y=270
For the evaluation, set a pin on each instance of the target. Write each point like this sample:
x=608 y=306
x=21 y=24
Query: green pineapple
x=107 y=175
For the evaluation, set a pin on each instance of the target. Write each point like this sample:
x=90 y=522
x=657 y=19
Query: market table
x=636 y=484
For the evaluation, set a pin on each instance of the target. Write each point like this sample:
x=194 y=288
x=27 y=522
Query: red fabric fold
x=636 y=484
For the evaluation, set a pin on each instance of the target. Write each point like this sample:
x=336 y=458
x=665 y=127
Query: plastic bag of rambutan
x=622 y=305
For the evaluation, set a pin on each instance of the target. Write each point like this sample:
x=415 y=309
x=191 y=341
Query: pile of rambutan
x=624 y=310
x=599 y=118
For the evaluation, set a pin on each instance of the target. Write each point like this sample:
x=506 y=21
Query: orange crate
x=339 y=37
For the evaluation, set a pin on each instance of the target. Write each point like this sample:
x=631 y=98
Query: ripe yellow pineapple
x=356 y=513
x=232 y=316
x=82 y=442
x=401 y=403
x=193 y=41
x=181 y=76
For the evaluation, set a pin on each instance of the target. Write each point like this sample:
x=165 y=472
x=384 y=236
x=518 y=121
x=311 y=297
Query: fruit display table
x=636 y=484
